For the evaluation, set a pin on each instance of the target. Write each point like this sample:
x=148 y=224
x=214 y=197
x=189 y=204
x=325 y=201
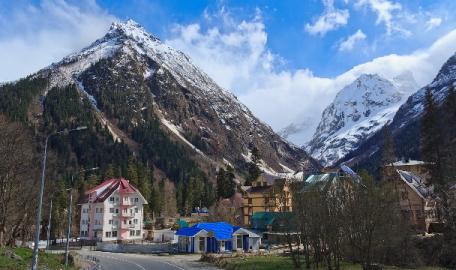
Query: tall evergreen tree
x=109 y=172
x=189 y=196
x=449 y=149
x=388 y=153
x=431 y=137
x=253 y=168
x=132 y=173
x=226 y=187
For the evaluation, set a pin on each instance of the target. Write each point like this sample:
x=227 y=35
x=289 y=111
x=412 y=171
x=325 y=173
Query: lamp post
x=70 y=190
x=49 y=227
x=40 y=195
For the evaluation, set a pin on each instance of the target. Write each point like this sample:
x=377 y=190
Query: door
x=245 y=242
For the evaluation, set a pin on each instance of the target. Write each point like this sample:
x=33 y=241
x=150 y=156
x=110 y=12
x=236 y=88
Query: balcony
x=127 y=226
x=126 y=203
x=127 y=215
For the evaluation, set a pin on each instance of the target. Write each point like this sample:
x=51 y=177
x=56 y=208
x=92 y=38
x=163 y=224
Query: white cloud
x=385 y=13
x=349 y=43
x=433 y=23
x=237 y=57
x=44 y=33
x=234 y=53
x=331 y=19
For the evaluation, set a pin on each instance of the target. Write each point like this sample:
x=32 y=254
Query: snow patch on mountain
x=177 y=131
x=358 y=111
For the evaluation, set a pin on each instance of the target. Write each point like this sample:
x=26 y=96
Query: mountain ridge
x=156 y=79
x=357 y=112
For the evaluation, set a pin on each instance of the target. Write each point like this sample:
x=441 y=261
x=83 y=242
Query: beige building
x=268 y=193
x=416 y=197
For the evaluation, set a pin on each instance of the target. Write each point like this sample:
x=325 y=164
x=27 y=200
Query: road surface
x=123 y=261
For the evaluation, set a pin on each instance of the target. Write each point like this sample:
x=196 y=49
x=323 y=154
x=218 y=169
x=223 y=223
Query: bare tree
x=17 y=185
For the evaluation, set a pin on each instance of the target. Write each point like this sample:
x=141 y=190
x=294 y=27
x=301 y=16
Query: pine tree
x=132 y=173
x=161 y=197
x=153 y=201
x=109 y=172
x=253 y=168
x=180 y=196
x=388 y=153
x=230 y=184
x=92 y=180
x=449 y=149
x=226 y=187
x=189 y=197
x=431 y=137
x=220 y=183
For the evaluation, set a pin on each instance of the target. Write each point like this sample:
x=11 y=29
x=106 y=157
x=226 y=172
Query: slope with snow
x=155 y=77
x=358 y=111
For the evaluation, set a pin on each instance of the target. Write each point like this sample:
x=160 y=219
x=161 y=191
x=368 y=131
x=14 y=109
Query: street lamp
x=40 y=195
x=70 y=190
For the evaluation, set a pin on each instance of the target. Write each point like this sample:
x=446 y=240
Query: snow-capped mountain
x=129 y=75
x=358 y=111
x=405 y=126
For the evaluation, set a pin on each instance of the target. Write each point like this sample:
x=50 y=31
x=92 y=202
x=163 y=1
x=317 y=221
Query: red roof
x=108 y=187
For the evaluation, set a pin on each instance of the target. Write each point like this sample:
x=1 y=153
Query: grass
x=45 y=260
x=283 y=263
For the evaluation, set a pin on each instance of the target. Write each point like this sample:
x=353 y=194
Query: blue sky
x=285 y=25
x=286 y=60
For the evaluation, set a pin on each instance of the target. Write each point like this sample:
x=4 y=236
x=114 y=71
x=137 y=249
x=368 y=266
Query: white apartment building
x=112 y=211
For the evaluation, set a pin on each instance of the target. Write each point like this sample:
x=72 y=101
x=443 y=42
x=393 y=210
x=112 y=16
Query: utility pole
x=69 y=223
x=49 y=227
x=70 y=207
x=40 y=196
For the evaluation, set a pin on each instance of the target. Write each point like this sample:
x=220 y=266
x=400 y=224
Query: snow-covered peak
x=131 y=29
x=358 y=111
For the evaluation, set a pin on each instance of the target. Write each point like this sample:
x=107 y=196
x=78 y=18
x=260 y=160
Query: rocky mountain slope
x=130 y=77
x=405 y=125
x=358 y=111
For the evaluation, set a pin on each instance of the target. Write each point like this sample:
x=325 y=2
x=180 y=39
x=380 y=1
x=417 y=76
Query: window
x=250 y=200
x=132 y=232
x=135 y=221
x=125 y=221
x=111 y=210
x=116 y=222
x=101 y=210
x=138 y=232
x=117 y=199
x=239 y=241
x=136 y=210
x=110 y=221
x=108 y=234
x=117 y=210
x=111 y=199
x=136 y=199
x=114 y=233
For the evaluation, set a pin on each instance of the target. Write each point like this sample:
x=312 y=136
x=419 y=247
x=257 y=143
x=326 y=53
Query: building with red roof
x=112 y=211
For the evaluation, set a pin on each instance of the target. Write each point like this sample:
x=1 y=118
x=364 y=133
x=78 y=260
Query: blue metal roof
x=221 y=230
x=188 y=231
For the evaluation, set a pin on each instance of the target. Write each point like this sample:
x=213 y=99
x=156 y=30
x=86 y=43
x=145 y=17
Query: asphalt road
x=122 y=261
